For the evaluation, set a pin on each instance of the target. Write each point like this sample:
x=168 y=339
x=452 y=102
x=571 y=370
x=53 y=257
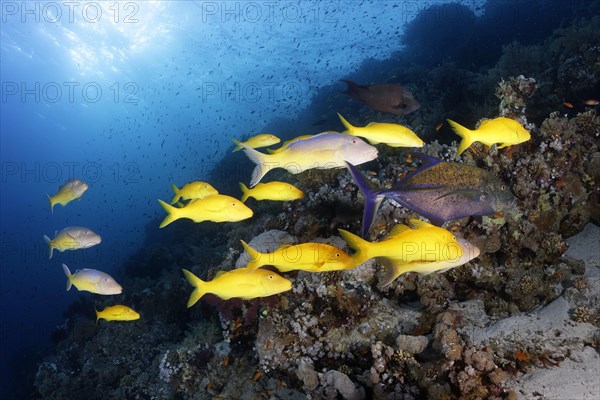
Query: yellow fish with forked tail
x=71 y=190
x=240 y=282
x=216 y=208
x=255 y=142
x=502 y=131
x=405 y=245
x=192 y=190
x=395 y=269
x=278 y=191
x=393 y=135
x=117 y=313
x=312 y=257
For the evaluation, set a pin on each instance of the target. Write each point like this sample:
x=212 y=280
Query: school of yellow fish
x=418 y=247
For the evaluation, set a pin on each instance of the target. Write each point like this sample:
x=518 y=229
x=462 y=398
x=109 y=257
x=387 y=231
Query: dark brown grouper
x=440 y=191
x=392 y=98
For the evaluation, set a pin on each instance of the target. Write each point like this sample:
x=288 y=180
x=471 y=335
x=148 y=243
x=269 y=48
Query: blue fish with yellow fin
x=440 y=191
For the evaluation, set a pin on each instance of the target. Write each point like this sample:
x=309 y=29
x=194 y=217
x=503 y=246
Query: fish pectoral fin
x=471 y=194
x=399 y=106
x=392 y=271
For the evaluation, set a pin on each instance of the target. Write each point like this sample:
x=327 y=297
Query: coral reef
x=482 y=330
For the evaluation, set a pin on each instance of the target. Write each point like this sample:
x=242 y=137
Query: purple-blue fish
x=439 y=191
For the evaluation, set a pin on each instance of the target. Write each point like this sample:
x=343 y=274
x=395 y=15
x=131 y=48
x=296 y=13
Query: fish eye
x=503 y=187
x=337 y=255
x=353 y=141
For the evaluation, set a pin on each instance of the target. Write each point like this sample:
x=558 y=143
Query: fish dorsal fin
x=418 y=224
x=427 y=160
x=398 y=230
x=283 y=246
x=219 y=274
x=484 y=123
x=372 y=123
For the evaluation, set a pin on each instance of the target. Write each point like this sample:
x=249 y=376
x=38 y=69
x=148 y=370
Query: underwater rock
x=266 y=242
x=342 y=385
x=412 y=344
x=308 y=375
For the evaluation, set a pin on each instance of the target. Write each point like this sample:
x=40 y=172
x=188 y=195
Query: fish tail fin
x=49 y=242
x=358 y=244
x=238 y=145
x=259 y=159
x=52 y=203
x=171 y=214
x=176 y=191
x=370 y=192
x=69 y=276
x=464 y=133
x=392 y=271
x=255 y=256
x=199 y=287
x=348 y=125
x=244 y=190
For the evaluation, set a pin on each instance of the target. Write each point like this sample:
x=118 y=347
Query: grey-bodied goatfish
x=92 y=280
x=326 y=150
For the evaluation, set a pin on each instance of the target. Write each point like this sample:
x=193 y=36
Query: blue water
x=131 y=96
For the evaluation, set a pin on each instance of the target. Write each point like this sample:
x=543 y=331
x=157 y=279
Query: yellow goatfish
x=312 y=257
x=405 y=245
x=240 y=282
x=72 y=238
x=192 y=190
x=323 y=151
x=502 y=131
x=216 y=208
x=393 y=135
x=117 y=313
x=71 y=190
x=395 y=269
x=278 y=191
x=287 y=143
x=255 y=142
x=92 y=280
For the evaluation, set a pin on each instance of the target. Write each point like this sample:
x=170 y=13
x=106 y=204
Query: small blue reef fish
x=440 y=191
